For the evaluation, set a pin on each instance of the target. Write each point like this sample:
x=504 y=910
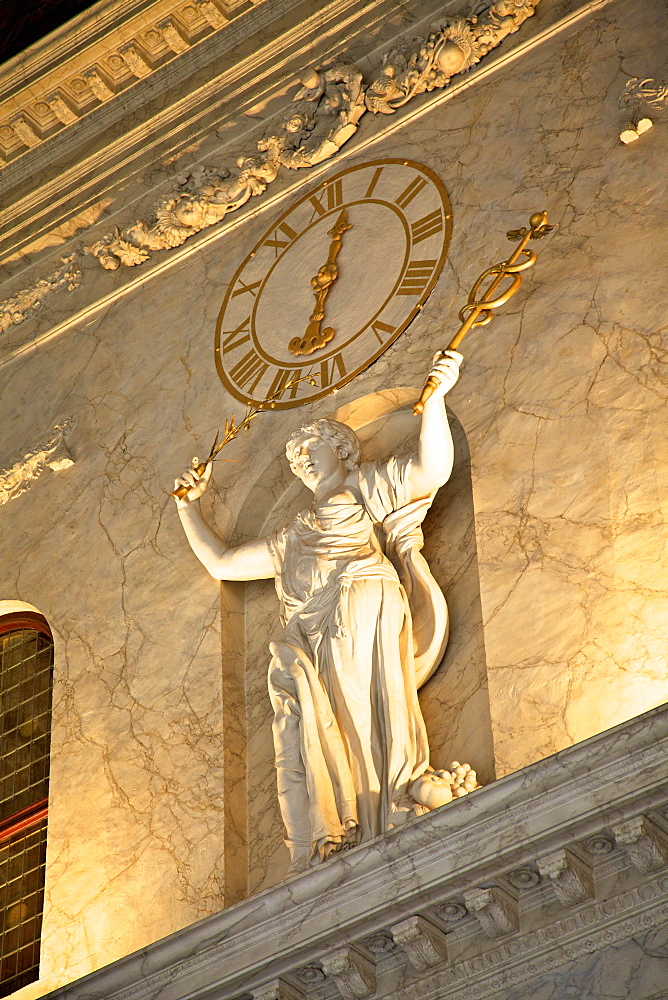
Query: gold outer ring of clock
x=253 y=360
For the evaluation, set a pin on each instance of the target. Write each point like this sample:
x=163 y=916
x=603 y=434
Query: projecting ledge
x=418 y=876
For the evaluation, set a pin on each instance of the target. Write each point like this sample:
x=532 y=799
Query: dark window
x=26 y=671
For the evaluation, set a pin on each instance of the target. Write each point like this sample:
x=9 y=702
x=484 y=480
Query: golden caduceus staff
x=478 y=311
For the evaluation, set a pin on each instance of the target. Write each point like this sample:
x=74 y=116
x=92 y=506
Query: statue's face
x=314 y=460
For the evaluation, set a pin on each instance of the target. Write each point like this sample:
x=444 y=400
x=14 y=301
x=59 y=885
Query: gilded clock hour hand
x=314 y=338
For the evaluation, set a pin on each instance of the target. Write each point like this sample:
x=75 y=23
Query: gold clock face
x=333 y=283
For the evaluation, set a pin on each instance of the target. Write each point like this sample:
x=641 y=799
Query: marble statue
x=364 y=625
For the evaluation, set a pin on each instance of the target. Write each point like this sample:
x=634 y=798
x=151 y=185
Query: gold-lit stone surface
x=563 y=406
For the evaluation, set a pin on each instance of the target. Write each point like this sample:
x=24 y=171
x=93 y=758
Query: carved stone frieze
x=53 y=454
x=354 y=975
x=550 y=947
x=171 y=32
x=636 y=95
x=311 y=975
x=451 y=913
x=645 y=843
x=379 y=944
x=28 y=301
x=429 y=63
x=523 y=878
x=325 y=114
x=568 y=875
x=495 y=910
x=424 y=944
x=276 y=989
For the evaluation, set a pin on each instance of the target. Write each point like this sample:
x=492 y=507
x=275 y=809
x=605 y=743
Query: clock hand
x=314 y=338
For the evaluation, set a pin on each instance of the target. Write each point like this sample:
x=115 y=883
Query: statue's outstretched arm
x=250 y=561
x=433 y=463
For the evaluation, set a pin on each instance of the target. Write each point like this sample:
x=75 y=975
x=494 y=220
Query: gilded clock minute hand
x=314 y=338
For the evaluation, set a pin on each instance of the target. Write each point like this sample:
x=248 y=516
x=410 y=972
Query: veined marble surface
x=440 y=867
x=562 y=401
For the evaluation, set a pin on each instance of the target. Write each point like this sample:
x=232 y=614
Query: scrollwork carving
x=51 y=455
x=426 y=64
x=569 y=876
x=644 y=841
x=354 y=975
x=202 y=198
x=495 y=910
x=328 y=107
x=637 y=94
x=424 y=944
x=29 y=301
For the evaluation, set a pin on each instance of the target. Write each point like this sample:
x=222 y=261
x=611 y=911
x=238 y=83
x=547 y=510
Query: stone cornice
x=92 y=24
x=415 y=885
x=93 y=59
x=109 y=75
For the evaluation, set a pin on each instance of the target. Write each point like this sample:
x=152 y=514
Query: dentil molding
x=106 y=67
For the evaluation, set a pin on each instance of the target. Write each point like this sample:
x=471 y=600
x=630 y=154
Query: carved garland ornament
x=636 y=95
x=53 y=455
x=29 y=301
x=325 y=115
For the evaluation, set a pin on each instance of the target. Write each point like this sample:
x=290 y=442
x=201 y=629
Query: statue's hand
x=196 y=483
x=445 y=371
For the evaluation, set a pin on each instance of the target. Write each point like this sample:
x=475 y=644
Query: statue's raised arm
x=250 y=561
x=432 y=466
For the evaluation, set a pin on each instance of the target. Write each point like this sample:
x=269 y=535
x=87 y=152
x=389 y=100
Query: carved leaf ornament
x=326 y=113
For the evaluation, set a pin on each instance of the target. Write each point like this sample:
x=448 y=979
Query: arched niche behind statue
x=454 y=701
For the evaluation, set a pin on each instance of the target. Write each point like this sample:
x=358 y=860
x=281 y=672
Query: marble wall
x=634 y=970
x=561 y=400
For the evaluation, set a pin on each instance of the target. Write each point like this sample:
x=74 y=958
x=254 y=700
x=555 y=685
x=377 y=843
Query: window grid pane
x=25 y=695
x=22 y=861
x=26 y=664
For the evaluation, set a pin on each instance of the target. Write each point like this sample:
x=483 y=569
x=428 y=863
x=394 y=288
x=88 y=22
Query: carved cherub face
x=432 y=789
x=189 y=212
x=313 y=459
x=509 y=8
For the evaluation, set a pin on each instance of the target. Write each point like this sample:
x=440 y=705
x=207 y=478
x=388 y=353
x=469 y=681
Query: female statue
x=364 y=624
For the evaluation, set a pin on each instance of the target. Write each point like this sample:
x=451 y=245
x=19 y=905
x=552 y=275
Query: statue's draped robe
x=348 y=732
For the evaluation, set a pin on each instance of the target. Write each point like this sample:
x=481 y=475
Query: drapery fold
x=364 y=624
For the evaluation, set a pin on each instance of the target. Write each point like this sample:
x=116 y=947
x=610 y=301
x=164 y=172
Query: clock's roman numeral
x=382 y=328
x=416 y=277
x=282 y=377
x=235 y=338
x=246 y=288
x=331 y=197
x=427 y=226
x=327 y=369
x=374 y=180
x=411 y=191
x=249 y=371
x=278 y=242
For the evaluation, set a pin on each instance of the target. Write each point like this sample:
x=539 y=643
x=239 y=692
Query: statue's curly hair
x=339 y=436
